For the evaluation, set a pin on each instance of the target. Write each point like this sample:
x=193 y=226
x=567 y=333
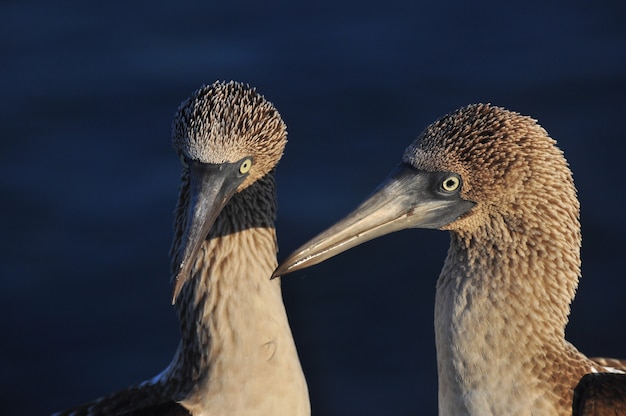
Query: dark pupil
x=449 y=183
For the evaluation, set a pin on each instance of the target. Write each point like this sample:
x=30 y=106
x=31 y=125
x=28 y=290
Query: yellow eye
x=245 y=166
x=451 y=184
x=183 y=162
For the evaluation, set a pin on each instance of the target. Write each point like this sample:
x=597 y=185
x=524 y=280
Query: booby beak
x=408 y=198
x=211 y=187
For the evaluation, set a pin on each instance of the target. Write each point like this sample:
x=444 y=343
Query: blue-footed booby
x=236 y=355
x=503 y=189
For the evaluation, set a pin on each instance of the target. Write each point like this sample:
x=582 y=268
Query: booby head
x=228 y=136
x=472 y=164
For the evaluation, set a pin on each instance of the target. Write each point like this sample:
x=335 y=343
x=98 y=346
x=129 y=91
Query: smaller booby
x=236 y=355
x=498 y=183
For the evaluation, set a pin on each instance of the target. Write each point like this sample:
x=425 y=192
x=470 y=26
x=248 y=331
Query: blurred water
x=89 y=179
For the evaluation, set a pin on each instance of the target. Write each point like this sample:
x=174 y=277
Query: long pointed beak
x=406 y=199
x=211 y=187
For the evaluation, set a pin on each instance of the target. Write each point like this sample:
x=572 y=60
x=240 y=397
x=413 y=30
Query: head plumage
x=225 y=122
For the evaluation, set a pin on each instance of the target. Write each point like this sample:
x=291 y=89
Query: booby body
x=503 y=189
x=237 y=355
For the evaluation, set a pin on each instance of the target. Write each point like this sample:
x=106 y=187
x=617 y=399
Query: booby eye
x=245 y=166
x=451 y=184
x=183 y=162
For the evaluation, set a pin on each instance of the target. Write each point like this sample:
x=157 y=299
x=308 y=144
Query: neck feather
x=503 y=300
x=235 y=336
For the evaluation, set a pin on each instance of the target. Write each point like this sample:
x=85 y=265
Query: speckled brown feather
x=225 y=122
x=504 y=294
x=615 y=363
x=236 y=354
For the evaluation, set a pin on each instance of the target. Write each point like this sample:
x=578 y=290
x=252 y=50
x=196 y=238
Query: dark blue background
x=89 y=180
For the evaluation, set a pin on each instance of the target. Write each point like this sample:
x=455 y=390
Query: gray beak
x=408 y=198
x=211 y=187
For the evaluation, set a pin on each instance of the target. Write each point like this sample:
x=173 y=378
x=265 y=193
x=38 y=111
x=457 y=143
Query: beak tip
x=178 y=286
x=282 y=269
x=290 y=265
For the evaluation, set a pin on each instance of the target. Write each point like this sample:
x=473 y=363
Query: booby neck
x=237 y=352
x=501 y=308
x=503 y=300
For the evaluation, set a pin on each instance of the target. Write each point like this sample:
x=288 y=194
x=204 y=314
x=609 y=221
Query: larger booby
x=236 y=355
x=500 y=185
